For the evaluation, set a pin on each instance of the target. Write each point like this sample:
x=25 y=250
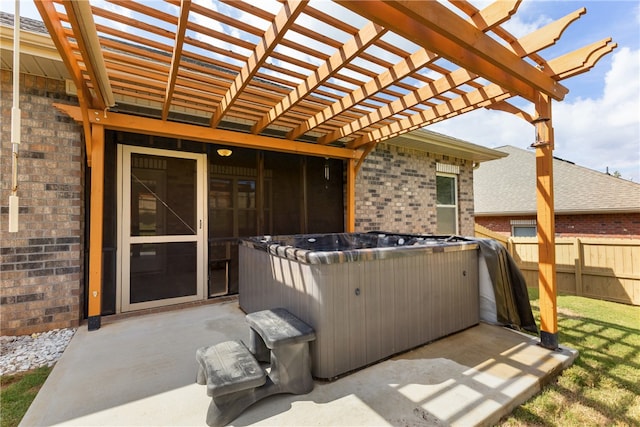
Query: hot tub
x=367 y=295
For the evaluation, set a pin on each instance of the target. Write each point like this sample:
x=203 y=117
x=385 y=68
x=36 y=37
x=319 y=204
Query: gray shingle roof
x=26 y=24
x=508 y=186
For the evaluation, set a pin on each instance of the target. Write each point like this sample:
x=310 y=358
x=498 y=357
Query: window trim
x=456 y=206
x=523 y=223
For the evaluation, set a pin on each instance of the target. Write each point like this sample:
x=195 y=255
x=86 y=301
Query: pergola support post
x=95 y=227
x=546 y=223
x=350 y=225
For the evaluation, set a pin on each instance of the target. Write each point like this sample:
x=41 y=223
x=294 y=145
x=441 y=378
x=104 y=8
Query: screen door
x=162 y=245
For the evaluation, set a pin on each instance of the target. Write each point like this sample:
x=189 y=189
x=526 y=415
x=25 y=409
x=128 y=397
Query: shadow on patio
x=141 y=371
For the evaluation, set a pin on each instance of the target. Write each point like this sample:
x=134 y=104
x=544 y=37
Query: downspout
x=14 y=201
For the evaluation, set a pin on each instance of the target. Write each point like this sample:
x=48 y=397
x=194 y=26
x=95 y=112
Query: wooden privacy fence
x=607 y=269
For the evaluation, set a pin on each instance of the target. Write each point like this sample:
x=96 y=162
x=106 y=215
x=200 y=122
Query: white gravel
x=26 y=352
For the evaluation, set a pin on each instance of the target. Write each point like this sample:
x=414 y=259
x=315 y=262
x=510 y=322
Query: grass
x=602 y=387
x=17 y=392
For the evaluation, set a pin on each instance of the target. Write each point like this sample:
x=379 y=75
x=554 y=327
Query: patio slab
x=141 y=372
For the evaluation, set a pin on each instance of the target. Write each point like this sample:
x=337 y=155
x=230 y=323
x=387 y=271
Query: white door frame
x=125 y=239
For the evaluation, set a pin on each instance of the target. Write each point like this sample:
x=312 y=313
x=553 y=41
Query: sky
x=597 y=125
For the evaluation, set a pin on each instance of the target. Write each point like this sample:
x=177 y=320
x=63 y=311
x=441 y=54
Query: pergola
x=316 y=78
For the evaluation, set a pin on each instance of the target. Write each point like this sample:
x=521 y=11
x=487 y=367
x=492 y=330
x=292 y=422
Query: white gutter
x=14 y=201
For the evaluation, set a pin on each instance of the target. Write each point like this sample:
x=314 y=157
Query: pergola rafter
x=333 y=80
x=400 y=70
x=341 y=91
x=80 y=16
x=183 y=20
x=367 y=36
x=482 y=97
x=460 y=42
x=275 y=32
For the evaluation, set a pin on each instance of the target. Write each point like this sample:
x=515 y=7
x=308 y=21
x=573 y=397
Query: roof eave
x=31 y=43
x=433 y=142
x=563 y=212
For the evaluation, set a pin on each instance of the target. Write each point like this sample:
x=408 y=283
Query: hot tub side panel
x=267 y=281
x=366 y=311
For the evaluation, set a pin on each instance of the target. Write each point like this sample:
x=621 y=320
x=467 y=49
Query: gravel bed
x=26 y=352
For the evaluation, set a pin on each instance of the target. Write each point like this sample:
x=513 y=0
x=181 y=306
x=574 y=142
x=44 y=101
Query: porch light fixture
x=224 y=152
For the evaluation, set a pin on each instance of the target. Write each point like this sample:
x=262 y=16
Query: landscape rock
x=27 y=352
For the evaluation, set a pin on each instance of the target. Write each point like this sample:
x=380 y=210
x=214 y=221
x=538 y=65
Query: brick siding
x=41 y=266
x=617 y=225
x=396 y=191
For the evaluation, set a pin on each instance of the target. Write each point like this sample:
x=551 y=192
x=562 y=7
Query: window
x=523 y=228
x=523 y=231
x=447 y=203
x=253 y=193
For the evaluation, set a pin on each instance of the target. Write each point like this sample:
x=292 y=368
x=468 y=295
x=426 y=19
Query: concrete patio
x=141 y=371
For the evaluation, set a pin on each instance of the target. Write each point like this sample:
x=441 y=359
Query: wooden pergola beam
x=81 y=19
x=493 y=15
x=183 y=20
x=85 y=98
x=545 y=36
x=272 y=36
x=129 y=123
x=581 y=60
x=436 y=28
x=510 y=108
x=365 y=38
x=484 y=20
x=400 y=70
x=440 y=86
x=456 y=106
x=141 y=8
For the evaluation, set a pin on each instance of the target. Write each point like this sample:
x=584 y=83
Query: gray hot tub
x=368 y=296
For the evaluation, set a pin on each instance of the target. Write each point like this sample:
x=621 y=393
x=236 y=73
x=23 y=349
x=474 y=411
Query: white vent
x=446 y=168
x=523 y=222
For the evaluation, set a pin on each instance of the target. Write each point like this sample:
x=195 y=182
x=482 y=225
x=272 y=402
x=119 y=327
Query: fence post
x=511 y=248
x=578 y=261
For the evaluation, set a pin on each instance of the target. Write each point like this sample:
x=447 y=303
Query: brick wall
x=586 y=225
x=499 y=224
x=609 y=225
x=41 y=265
x=396 y=191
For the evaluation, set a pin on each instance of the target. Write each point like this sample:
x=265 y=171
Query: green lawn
x=17 y=392
x=602 y=387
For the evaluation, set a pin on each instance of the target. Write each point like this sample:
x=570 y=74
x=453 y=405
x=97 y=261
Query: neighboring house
x=420 y=182
x=588 y=203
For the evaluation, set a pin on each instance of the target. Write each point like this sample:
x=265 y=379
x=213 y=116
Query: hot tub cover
x=511 y=298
